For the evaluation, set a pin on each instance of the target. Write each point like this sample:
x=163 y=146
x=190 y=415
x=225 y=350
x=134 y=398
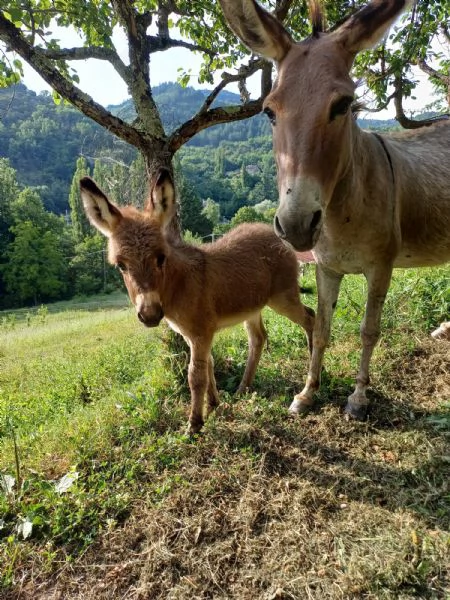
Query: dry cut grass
x=264 y=507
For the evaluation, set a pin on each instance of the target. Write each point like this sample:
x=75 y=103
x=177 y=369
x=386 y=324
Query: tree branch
x=282 y=8
x=138 y=82
x=12 y=36
x=446 y=32
x=400 y=114
x=426 y=68
x=84 y=53
x=215 y=116
x=445 y=79
x=244 y=72
x=155 y=43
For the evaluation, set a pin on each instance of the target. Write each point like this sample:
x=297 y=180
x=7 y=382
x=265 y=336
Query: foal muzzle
x=151 y=319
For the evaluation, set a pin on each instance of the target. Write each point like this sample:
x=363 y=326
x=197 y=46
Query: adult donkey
x=364 y=203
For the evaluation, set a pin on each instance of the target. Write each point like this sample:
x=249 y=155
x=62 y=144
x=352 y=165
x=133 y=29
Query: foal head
x=137 y=244
x=309 y=105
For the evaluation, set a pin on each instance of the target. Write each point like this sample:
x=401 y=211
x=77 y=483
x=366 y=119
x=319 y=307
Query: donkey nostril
x=141 y=318
x=278 y=228
x=316 y=219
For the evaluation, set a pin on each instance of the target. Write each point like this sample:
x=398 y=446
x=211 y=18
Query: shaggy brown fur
x=199 y=289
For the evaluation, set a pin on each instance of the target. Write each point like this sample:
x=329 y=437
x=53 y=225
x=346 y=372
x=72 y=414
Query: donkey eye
x=340 y=106
x=160 y=260
x=270 y=114
x=122 y=267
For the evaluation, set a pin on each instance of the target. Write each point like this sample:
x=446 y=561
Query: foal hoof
x=355 y=412
x=193 y=429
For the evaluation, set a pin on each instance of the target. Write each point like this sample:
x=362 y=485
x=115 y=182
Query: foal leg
x=198 y=381
x=213 y=394
x=378 y=284
x=328 y=284
x=289 y=305
x=257 y=337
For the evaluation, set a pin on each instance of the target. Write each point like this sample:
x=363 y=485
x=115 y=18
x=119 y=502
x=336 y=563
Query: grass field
x=103 y=496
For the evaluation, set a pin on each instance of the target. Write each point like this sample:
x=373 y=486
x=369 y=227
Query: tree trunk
x=157 y=157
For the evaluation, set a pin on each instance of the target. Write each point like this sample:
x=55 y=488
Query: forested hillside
x=43 y=140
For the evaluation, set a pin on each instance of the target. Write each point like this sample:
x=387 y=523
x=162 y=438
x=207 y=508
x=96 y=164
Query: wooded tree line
x=43 y=141
x=47 y=257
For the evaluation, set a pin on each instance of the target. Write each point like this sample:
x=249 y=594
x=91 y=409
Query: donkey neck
x=360 y=218
x=369 y=174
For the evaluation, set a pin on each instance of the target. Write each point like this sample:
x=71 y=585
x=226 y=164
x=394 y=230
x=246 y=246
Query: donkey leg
x=378 y=284
x=213 y=394
x=198 y=382
x=442 y=332
x=257 y=337
x=328 y=284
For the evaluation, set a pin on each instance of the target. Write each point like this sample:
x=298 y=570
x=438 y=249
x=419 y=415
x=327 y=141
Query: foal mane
x=317 y=17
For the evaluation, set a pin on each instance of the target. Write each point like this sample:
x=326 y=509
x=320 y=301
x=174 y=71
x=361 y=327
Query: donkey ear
x=161 y=204
x=366 y=27
x=102 y=213
x=257 y=28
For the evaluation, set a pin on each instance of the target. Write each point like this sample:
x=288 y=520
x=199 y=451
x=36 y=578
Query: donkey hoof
x=356 y=412
x=242 y=390
x=297 y=409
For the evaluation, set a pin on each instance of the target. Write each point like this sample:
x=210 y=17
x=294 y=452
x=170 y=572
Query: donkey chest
x=342 y=258
x=356 y=248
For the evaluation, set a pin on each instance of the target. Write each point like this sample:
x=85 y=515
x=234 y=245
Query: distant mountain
x=43 y=140
x=178 y=104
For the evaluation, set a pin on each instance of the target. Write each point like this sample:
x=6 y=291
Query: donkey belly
x=424 y=256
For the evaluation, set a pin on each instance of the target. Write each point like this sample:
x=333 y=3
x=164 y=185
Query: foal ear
x=257 y=28
x=367 y=26
x=102 y=213
x=161 y=203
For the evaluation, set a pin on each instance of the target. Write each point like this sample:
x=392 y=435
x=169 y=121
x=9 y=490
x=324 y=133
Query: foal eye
x=122 y=267
x=340 y=106
x=270 y=114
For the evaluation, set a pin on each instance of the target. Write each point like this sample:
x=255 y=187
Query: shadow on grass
x=328 y=457
x=374 y=462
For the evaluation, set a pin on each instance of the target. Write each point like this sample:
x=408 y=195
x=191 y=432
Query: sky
x=100 y=80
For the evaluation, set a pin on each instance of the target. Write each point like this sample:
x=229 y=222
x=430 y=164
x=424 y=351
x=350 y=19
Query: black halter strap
x=383 y=144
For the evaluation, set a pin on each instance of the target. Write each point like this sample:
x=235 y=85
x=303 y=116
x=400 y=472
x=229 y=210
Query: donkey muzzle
x=301 y=233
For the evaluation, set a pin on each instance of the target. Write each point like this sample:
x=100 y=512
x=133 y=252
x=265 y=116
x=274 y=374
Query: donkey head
x=137 y=243
x=309 y=105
